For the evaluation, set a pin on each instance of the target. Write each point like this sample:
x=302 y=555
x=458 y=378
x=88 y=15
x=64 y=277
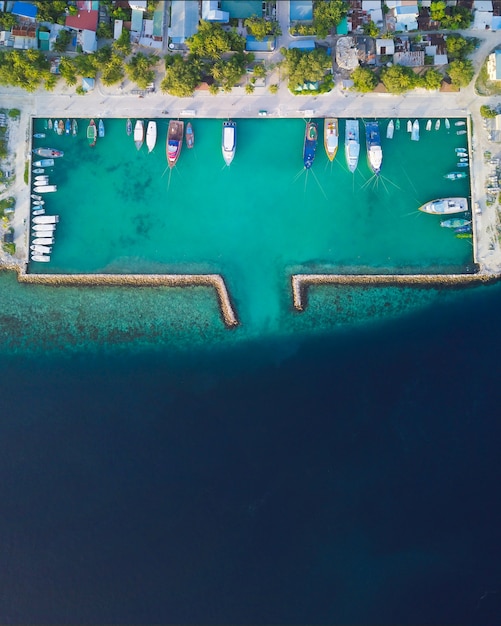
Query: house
x=25 y=11
x=385 y=47
x=494 y=65
x=406 y=17
x=138 y=5
x=183 y=21
x=482 y=16
x=211 y=12
x=374 y=11
x=85 y=23
x=347 y=53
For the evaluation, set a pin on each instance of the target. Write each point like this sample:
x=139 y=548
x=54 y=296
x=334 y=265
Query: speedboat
x=39 y=249
x=331 y=137
x=374 y=151
x=46 y=219
x=43 y=241
x=454 y=222
x=39 y=135
x=44 y=163
x=101 y=128
x=151 y=135
x=38 y=170
x=139 y=133
x=415 y=131
x=67 y=127
x=428 y=125
x=389 y=130
x=38 y=211
x=455 y=175
x=60 y=127
x=34 y=196
x=74 y=128
x=48 y=152
x=352 y=144
x=128 y=127
x=437 y=125
x=459 y=123
x=47 y=189
x=445 y=205
x=409 y=126
x=447 y=124
x=40 y=258
x=229 y=141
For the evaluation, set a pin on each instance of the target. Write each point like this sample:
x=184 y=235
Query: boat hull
x=445 y=206
x=310 y=144
x=174 y=142
x=92 y=133
x=190 y=136
x=49 y=153
x=229 y=141
x=139 y=134
x=352 y=144
x=331 y=137
x=151 y=135
x=374 y=151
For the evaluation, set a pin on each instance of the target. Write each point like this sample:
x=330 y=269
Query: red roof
x=85 y=20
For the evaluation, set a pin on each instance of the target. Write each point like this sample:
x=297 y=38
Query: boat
x=447 y=123
x=444 y=206
x=128 y=127
x=48 y=152
x=460 y=150
x=43 y=241
x=464 y=235
x=74 y=128
x=455 y=175
x=310 y=144
x=461 y=132
x=55 y=126
x=38 y=170
x=465 y=228
x=46 y=219
x=67 y=127
x=39 y=135
x=39 y=249
x=40 y=183
x=44 y=163
x=331 y=137
x=415 y=131
x=437 y=125
x=428 y=125
x=409 y=126
x=41 y=177
x=101 y=128
x=44 y=228
x=374 y=151
x=463 y=159
x=459 y=123
x=38 y=202
x=151 y=135
x=390 y=129
x=229 y=141
x=455 y=222
x=462 y=164
x=60 y=127
x=92 y=133
x=189 y=136
x=34 y=196
x=139 y=133
x=47 y=189
x=352 y=144
x=38 y=211
x=49 y=124
x=174 y=141
x=40 y=258
x=397 y=124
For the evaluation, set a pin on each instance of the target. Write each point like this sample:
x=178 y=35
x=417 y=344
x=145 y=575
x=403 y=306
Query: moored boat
x=92 y=133
x=437 y=125
x=462 y=164
x=43 y=228
x=459 y=123
x=352 y=144
x=60 y=127
x=310 y=144
x=49 y=124
x=40 y=258
x=466 y=228
x=40 y=249
x=461 y=132
x=139 y=134
x=46 y=219
x=43 y=241
x=455 y=175
x=455 y=222
x=457 y=150
x=38 y=211
x=428 y=125
x=40 y=183
x=38 y=170
x=100 y=128
x=38 y=202
x=409 y=126
x=34 y=196
x=67 y=127
x=174 y=141
x=389 y=130
x=447 y=124
x=74 y=128
x=415 y=131
x=374 y=151
x=47 y=189
x=41 y=177
x=331 y=137
x=189 y=136
x=229 y=141
x=44 y=163
x=444 y=206
x=39 y=135
x=128 y=127
x=151 y=135
x=48 y=152
x=397 y=124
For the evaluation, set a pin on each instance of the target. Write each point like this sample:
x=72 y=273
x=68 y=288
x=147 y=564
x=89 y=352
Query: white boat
x=444 y=206
x=352 y=144
x=229 y=141
x=428 y=125
x=41 y=177
x=409 y=126
x=46 y=219
x=43 y=241
x=461 y=132
x=41 y=249
x=38 y=202
x=447 y=124
x=40 y=258
x=40 y=183
x=331 y=137
x=437 y=125
x=459 y=123
x=139 y=133
x=151 y=135
x=39 y=211
x=43 y=228
x=390 y=130
x=44 y=163
x=47 y=189
x=373 y=141
x=35 y=197
x=415 y=131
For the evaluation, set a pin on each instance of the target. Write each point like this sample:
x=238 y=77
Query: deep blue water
x=355 y=480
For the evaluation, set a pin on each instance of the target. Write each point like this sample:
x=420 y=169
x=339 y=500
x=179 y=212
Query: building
x=494 y=65
x=211 y=12
x=183 y=21
x=85 y=23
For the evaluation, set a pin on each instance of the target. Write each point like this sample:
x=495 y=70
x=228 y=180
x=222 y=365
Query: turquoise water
x=256 y=222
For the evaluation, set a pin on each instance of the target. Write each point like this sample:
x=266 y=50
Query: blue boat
x=67 y=127
x=374 y=151
x=101 y=128
x=310 y=144
x=463 y=229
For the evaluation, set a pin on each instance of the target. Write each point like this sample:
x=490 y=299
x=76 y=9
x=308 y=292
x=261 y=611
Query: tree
x=213 y=89
x=370 y=29
x=458 y=18
x=68 y=71
x=305 y=66
x=7 y=20
x=259 y=27
x=259 y=71
x=487 y=112
x=327 y=14
x=139 y=69
x=51 y=11
x=62 y=41
x=458 y=47
x=398 y=79
x=104 y=31
x=364 y=80
x=212 y=41
x=437 y=10
x=249 y=88
x=461 y=72
x=228 y=74
x=24 y=68
x=273 y=88
x=113 y=71
x=181 y=77
x=86 y=65
x=122 y=45
x=432 y=80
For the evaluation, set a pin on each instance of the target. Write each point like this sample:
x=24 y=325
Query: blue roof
x=303 y=44
x=25 y=9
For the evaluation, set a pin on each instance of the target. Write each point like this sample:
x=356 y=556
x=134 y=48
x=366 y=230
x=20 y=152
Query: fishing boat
x=74 y=128
x=34 y=196
x=466 y=228
x=352 y=144
x=43 y=241
x=174 y=143
x=331 y=137
x=374 y=151
x=428 y=125
x=92 y=133
x=462 y=164
x=189 y=136
x=409 y=126
x=139 y=133
x=151 y=135
x=437 y=125
x=67 y=127
x=447 y=123
x=49 y=124
x=38 y=211
x=459 y=123
x=40 y=258
x=229 y=141
x=464 y=235
x=46 y=219
x=44 y=163
x=38 y=170
x=455 y=222
x=128 y=127
x=48 y=152
x=397 y=124
x=39 y=135
x=47 y=189
x=390 y=129
x=60 y=127
x=415 y=131
x=455 y=175
x=310 y=144
x=461 y=132
x=444 y=206
x=100 y=128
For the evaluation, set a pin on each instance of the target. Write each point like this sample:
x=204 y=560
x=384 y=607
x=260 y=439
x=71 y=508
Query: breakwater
x=301 y=282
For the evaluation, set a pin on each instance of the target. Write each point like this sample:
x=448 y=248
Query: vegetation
x=122 y=45
x=227 y=74
x=10 y=248
x=370 y=29
x=53 y=11
x=457 y=18
x=273 y=88
x=458 y=47
x=461 y=72
x=7 y=20
x=364 y=80
x=24 y=68
x=432 y=80
x=437 y=10
x=305 y=66
x=487 y=112
x=259 y=71
x=104 y=31
x=14 y=114
x=327 y=14
x=302 y=29
x=249 y=88
x=211 y=41
x=398 y=79
x=86 y=65
x=26 y=172
x=63 y=40
x=260 y=28
x=181 y=77
x=7 y=203
x=113 y=71
x=68 y=71
x=139 y=69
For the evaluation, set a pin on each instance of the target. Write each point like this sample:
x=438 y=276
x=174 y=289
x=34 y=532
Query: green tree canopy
x=211 y=41
x=461 y=72
x=259 y=27
x=486 y=111
x=53 y=11
x=113 y=71
x=437 y=10
x=327 y=14
x=181 y=77
x=68 y=71
x=457 y=18
x=7 y=20
x=370 y=29
x=398 y=79
x=432 y=80
x=364 y=80
x=227 y=74
x=86 y=65
x=458 y=47
x=24 y=68
x=139 y=69
x=122 y=45
x=62 y=41
x=305 y=66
